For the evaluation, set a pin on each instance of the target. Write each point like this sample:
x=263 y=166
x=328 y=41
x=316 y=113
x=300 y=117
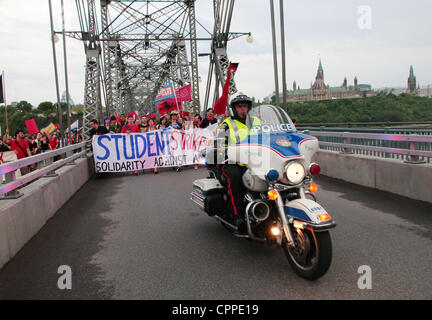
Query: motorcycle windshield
x=269 y=119
x=271 y=127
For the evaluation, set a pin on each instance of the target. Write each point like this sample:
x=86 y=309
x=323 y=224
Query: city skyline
x=365 y=89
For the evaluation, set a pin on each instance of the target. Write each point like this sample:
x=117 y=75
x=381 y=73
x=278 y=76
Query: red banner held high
x=168 y=106
x=221 y=104
x=31 y=126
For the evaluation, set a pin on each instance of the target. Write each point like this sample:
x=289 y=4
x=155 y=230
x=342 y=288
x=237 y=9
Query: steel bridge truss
x=141 y=46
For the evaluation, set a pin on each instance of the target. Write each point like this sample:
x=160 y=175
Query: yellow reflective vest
x=238 y=131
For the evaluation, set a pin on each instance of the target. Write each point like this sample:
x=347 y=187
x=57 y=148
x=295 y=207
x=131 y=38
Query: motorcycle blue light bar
x=273 y=175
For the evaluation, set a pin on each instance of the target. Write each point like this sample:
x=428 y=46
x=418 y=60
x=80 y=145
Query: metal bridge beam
x=144 y=48
x=194 y=57
x=92 y=93
x=92 y=101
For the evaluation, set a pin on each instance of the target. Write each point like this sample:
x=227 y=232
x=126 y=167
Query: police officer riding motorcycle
x=260 y=171
x=233 y=130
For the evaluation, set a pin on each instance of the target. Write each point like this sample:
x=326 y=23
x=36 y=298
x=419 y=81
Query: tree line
x=380 y=108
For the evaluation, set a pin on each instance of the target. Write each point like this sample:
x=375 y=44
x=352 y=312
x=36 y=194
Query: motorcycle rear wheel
x=311 y=257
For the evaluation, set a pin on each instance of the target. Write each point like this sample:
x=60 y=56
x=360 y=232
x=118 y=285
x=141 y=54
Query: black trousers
x=233 y=174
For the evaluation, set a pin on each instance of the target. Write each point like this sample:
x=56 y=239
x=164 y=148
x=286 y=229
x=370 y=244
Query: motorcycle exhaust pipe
x=258 y=209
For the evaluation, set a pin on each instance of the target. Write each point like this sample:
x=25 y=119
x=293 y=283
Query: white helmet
x=236 y=99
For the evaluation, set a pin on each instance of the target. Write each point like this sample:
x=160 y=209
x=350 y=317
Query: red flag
x=174 y=108
x=163 y=108
x=168 y=106
x=117 y=118
x=184 y=93
x=221 y=104
x=31 y=126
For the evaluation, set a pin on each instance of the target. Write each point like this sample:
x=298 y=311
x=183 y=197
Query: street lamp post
x=274 y=52
x=66 y=74
x=284 y=87
x=54 y=39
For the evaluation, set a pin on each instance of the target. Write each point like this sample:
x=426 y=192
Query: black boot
x=241 y=225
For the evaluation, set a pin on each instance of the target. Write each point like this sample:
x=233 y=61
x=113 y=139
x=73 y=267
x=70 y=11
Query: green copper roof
x=299 y=92
x=365 y=86
x=320 y=65
x=338 y=89
x=411 y=75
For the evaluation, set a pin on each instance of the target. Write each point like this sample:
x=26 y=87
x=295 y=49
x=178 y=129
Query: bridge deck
x=141 y=237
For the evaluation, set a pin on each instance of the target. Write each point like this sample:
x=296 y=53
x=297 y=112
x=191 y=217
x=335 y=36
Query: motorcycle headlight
x=295 y=172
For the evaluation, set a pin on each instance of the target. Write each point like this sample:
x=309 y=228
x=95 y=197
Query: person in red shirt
x=21 y=147
x=53 y=142
x=130 y=126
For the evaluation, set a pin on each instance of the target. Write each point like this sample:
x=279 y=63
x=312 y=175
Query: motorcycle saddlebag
x=208 y=195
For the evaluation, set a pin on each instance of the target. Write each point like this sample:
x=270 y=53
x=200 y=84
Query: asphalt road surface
x=140 y=237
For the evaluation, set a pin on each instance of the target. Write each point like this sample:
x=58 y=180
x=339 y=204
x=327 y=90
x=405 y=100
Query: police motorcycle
x=278 y=177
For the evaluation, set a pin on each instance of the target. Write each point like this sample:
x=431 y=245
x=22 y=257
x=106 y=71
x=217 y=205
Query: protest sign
x=165 y=93
x=155 y=149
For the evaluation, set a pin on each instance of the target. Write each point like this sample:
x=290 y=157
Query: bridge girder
x=142 y=46
x=219 y=60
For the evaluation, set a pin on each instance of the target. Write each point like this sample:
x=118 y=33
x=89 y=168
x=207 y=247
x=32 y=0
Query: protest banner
x=154 y=149
x=166 y=92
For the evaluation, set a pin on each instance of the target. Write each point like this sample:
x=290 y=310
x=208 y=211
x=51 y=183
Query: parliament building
x=320 y=91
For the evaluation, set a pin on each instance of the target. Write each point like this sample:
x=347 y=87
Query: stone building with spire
x=320 y=91
x=413 y=88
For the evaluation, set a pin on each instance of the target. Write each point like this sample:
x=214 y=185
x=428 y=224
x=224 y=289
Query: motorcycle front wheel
x=311 y=256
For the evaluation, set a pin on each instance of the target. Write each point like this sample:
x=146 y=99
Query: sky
x=375 y=40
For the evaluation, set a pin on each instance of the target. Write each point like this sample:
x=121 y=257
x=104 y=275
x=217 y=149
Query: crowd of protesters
x=26 y=145
x=149 y=122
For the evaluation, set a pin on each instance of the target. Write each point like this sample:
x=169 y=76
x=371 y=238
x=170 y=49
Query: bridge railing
x=413 y=148
x=370 y=125
x=387 y=130
x=45 y=164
